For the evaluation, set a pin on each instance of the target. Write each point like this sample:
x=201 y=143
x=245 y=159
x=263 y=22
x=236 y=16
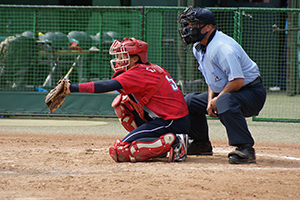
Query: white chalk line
x=223 y=150
x=154 y=169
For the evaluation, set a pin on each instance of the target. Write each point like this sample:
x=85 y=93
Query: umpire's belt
x=256 y=81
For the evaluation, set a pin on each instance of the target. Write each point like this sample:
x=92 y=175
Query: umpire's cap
x=197 y=15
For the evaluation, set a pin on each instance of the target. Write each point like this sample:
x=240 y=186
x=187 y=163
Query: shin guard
x=141 y=151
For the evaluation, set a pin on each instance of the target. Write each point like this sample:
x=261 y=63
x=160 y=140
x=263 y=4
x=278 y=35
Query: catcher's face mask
x=122 y=59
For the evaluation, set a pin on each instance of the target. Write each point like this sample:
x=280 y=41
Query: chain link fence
x=40 y=43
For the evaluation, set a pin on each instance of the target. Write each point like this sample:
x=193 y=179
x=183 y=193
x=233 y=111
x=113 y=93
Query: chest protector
x=129 y=112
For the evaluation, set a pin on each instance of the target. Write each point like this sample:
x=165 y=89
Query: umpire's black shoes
x=242 y=155
x=199 y=148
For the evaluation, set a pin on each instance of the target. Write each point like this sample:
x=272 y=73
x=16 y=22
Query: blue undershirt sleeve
x=107 y=86
x=100 y=86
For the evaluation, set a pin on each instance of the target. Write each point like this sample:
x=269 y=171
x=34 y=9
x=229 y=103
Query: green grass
x=281 y=107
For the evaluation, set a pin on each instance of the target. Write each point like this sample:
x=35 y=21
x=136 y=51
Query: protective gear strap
x=146 y=98
x=117 y=73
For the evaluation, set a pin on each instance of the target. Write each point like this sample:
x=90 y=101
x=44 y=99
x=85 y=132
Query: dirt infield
x=51 y=166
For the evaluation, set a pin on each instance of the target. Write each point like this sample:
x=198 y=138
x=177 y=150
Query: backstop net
x=39 y=44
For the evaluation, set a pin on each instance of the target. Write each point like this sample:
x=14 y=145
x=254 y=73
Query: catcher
x=150 y=105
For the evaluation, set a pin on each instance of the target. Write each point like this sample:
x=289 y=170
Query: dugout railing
x=40 y=43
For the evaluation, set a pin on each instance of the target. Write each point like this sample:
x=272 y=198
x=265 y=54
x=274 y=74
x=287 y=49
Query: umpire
x=234 y=92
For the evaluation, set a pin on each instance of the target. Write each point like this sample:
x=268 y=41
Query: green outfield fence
x=39 y=44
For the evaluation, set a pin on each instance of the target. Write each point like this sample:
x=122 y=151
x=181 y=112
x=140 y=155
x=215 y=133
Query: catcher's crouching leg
x=141 y=150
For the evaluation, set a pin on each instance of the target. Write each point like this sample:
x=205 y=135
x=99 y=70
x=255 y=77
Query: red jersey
x=168 y=102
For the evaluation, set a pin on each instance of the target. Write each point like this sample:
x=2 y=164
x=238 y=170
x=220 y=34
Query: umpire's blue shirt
x=223 y=61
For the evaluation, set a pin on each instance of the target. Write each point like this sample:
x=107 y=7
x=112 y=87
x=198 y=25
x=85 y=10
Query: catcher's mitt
x=56 y=96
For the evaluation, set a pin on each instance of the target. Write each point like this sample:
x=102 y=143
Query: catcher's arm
x=95 y=86
x=56 y=97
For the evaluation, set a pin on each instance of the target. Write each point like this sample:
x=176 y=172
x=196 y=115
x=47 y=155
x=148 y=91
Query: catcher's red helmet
x=122 y=50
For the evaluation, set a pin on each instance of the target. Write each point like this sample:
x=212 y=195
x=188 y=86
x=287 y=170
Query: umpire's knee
x=225 y=102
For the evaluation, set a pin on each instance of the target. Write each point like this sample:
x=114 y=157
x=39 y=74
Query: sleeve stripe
x=88 y=87
x=234 y=76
